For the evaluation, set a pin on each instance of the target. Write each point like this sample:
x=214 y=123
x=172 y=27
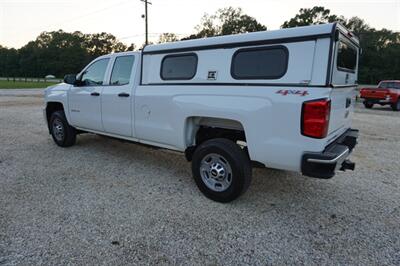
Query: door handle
x=95 y=94
x=123 y=94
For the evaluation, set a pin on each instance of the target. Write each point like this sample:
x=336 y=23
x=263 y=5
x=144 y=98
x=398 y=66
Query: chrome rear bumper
x=334 y=157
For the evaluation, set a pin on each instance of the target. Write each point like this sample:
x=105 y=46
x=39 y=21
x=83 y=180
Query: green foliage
x=380 y=57
x=226 y=21
x=8 y=61
x=57 y=53
x=131 y=47
x=4 y=84
x=308 y=16
x=168 y=37
x=102 y=43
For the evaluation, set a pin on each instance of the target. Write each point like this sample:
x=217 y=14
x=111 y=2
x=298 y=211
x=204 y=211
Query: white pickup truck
x=279 y=99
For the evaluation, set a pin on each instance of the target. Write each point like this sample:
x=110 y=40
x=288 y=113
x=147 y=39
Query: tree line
x=58 y=52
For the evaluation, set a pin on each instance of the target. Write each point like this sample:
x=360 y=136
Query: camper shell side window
x=179 y=66
x=260 y=63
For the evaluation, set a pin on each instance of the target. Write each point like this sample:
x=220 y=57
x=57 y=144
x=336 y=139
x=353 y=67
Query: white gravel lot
x=108 y=202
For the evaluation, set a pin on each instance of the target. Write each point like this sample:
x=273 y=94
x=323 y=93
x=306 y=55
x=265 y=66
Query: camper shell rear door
x=343 y=80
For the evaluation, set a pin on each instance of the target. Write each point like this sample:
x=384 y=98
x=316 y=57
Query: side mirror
x=70 y=79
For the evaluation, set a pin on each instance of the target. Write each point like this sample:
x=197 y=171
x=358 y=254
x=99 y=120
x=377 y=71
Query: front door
x=85 y=98
x=117 y=98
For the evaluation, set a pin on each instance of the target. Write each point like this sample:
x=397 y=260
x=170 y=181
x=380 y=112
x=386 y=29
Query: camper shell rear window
x=346 y=57
x=260 y=63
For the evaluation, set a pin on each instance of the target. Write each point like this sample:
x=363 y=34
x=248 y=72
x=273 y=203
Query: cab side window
x=94 y=74
x=122 y=70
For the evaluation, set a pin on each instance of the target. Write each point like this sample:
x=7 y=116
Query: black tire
x=368 y=105
x=396 y=106
x=231 y=154
x=58 y=123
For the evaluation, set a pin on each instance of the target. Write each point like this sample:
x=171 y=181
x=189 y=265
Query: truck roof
x=313 y=31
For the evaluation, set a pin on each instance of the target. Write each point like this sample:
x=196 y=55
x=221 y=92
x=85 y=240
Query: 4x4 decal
x=293 y=92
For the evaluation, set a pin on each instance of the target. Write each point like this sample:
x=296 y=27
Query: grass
x=4 y=84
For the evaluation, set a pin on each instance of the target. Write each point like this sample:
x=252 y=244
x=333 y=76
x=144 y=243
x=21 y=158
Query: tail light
x=315 y=118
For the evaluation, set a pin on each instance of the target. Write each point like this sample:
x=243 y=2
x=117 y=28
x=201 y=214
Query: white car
x=279 y=99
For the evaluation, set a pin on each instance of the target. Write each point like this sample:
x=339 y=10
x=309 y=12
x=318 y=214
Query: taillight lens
x=315 y=118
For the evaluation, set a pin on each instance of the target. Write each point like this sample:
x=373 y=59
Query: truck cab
x=102 y=98
x=279 y=99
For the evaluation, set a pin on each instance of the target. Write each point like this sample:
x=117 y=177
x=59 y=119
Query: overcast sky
x=22 y=20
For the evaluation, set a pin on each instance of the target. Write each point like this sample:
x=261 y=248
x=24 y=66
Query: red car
x=387 y=93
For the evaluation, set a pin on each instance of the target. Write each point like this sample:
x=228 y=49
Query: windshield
x=389 y=85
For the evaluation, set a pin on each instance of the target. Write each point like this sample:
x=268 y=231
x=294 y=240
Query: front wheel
x=63 y=134
x=396 y=106
x=221 y=170
x=368 y=105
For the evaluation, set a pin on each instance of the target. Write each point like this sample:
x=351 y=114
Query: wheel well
x=53 y=107
x=205 y=133
x=201 y=129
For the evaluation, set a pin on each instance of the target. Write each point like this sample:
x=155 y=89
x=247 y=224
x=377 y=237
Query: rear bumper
x=333 y=158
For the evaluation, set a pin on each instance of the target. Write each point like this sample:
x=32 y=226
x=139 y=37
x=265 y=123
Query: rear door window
x=122 y=70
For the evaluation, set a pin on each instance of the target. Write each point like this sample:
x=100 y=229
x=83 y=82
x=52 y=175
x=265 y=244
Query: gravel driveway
x=108 y=202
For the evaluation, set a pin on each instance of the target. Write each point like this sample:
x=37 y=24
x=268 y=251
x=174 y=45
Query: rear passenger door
x=117 y=98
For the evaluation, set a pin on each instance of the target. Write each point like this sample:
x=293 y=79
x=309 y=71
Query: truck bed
x=374 y=93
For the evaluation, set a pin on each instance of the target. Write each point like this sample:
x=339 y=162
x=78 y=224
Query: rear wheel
x=368 y=105
x=63 y=134
x=396 y=106
x=221 y=169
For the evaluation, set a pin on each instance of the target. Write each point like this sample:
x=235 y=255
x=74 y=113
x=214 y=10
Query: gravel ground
x=21 y=92
x=108 y=202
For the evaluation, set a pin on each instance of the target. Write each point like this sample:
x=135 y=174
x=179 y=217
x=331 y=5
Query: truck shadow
x=381 y=108
x=269 y=187
x=360 y=108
